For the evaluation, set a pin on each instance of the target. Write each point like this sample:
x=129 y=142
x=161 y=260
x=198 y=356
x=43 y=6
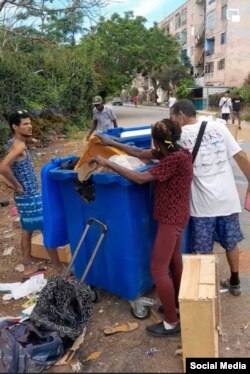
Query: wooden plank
x=190 y=278
x=207 y=270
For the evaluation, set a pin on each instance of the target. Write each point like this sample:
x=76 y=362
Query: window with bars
x=177 y=21
x=210 y=20
x=223 y=38
x=221 y=64
x=211 y=2
x=209 y=68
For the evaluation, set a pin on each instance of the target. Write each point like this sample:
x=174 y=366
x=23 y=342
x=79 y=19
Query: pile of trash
x=49 y=328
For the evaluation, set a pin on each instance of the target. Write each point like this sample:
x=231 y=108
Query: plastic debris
x=245 y=325
x=8 y=251
x=68 y=356
x=8 y=287
x=19 y=268
x=152 y=351
x=93 y=356
x=33 y=285
x=8 y=235
x=76 y=367
x=100 y=311
x=13 y=212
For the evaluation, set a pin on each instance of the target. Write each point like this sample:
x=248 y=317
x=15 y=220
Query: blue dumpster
x=139 y=136
x=122 y=264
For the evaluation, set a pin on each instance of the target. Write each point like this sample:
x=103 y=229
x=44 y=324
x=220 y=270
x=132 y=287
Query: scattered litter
x=121 y=327
x=100 y=311
x=8 y=235
x=93 y=356
x=178 y=352
x=227 y=348
x=17 y=219
x=223 y=290
x=68 y=356
x=13 y=212
x=8 y=251
x=245 y=325
x=8 y=287
x=32 y=285
x=76 y=367
x=25 y=314
x=152 y=351
x=19 y=268
x=31 y=300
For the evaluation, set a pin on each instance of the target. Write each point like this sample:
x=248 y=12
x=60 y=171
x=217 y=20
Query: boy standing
x=18 y=170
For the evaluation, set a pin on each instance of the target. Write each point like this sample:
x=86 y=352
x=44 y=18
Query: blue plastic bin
x=141 y=141
x=122 y=264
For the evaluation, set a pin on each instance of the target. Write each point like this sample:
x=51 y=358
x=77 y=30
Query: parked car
x=116 y=101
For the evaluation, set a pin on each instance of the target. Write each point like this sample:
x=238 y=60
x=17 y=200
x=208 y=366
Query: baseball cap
x=97 y=100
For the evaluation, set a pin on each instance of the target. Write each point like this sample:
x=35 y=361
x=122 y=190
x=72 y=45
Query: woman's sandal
x=121 y=327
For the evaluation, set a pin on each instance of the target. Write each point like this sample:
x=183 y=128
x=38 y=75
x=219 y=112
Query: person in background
x=103 y=117
x=225 y=105
x=173 y=176
x=171 y=100
x=215 y=203
x=18 y=171
x=135 y=100
x=236 y=108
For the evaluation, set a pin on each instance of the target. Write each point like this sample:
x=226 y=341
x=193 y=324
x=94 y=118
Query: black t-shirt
x=236 y=103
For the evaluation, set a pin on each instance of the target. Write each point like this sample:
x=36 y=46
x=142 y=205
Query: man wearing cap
x=103 y=117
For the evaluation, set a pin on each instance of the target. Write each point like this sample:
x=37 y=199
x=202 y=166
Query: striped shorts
x=31 y=211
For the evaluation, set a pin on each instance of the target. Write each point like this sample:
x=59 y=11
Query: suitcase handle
x=103 y=233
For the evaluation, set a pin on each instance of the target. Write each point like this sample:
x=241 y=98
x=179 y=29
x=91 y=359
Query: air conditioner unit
x=233 y=15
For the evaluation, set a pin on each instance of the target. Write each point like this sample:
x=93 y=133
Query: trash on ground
x=76 y=367
x=121 y=327
x=245 y=325
x=68 y=356
x=8 y=251
x=13 y=212
x=8 y=287
x=93 y=356
x=32 y=285
x=152 y=351
x=19 y=268
x=8 y=235
x=178 y=352
x=223 y=290
x=26 y=312
x=31 y=300
x=100 y=311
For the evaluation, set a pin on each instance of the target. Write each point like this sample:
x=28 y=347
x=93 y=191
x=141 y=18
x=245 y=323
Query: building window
x=210 y=20
x=209 y=68
x=223 y=38
x=183 y=37
x=178 y=37
x=184 y=17
x=177 y=21
x=211 y=2
x=167 y=29
x=221 y=64
x=209 y=46
x=224 y=11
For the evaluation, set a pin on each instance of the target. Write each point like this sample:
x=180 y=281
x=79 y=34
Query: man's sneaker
x=235 y=290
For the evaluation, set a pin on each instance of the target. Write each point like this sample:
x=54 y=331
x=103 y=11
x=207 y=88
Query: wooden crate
x=38 y=250
x=199 y=307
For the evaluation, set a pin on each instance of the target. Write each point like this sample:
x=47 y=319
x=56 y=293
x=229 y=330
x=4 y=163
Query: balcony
x=201 y=2
x=199 y=57
x=200 y=35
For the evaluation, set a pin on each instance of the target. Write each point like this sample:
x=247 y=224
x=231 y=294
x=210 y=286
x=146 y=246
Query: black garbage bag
x=64 y=306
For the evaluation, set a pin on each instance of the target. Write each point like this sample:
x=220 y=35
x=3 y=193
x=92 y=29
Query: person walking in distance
x=135 y=100
x=236 y=108
x=214 y=203
x=103 y=117
x=18 y=171
x=225 y=105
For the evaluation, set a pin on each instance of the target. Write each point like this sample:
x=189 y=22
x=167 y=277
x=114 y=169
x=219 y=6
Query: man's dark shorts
x=204 y=231
x=225 y=116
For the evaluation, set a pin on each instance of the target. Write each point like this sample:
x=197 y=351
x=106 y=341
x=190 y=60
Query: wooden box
x=199 y=307
x=38 y=250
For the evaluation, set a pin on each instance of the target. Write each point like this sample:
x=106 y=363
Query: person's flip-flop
x=121 y=327
x=40 y=270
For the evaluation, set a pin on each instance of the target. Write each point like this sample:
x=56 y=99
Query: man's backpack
x=26 y=349
x=64 y=306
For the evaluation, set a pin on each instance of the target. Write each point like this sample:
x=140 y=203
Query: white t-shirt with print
x=225 y=104
x=213 y=189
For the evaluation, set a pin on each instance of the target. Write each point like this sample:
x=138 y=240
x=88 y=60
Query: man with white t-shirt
x=214 y=203
x=225 y=105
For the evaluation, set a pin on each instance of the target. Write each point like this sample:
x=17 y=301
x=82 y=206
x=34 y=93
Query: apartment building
x=215 y=35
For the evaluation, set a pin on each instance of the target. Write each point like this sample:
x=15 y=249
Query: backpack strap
x=199 y=139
